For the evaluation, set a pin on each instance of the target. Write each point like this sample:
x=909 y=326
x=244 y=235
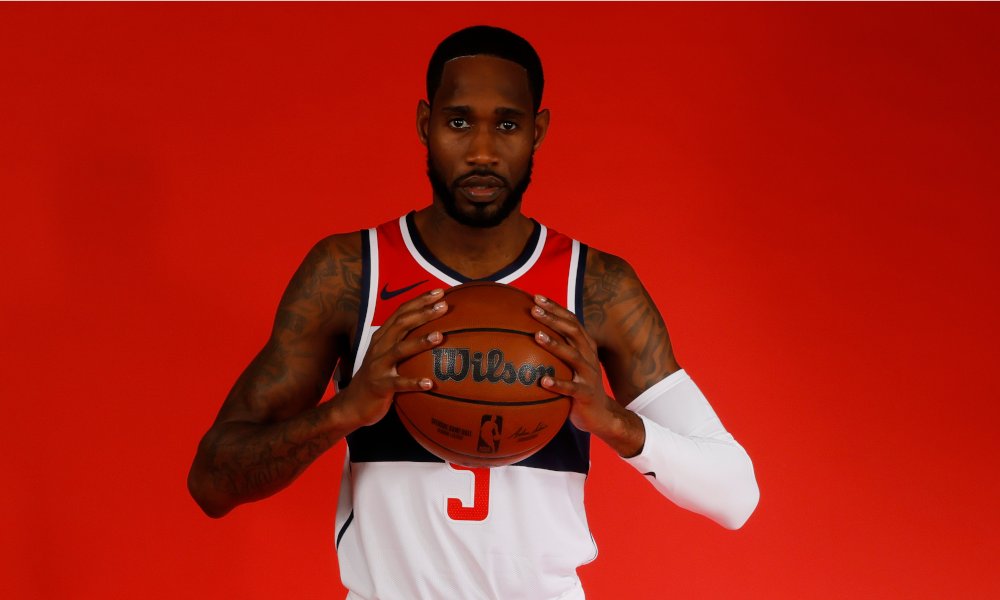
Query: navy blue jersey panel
x=582 y=443
x=386 y=441
x=389 y=441
x=569 y=450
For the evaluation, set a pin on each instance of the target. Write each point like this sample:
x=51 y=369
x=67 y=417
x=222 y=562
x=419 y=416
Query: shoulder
x=334 y=261
x=339 y=245
x=327 y=284
x=623 y=319
x=608 y=281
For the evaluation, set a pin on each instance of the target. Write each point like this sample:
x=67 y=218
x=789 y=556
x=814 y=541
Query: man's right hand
x=368 y=398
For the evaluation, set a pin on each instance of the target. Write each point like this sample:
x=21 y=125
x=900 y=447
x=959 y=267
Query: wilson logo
x=454 y=364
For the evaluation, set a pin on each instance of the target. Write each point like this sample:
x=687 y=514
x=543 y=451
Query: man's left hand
x=592 y=410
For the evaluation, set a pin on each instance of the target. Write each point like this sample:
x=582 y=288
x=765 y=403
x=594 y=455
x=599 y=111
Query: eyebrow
x=506 y=110
x=465 y=109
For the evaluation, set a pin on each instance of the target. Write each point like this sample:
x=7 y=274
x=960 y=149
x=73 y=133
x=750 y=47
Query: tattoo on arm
x=314 y=318
x=328 y=281
x=250 y=461
x=270 y=428
x=625 y=323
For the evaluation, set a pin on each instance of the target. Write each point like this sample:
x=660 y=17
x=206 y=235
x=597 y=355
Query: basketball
x=487 y=407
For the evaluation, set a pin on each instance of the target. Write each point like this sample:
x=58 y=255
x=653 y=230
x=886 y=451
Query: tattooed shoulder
x=326 y=289
x=605 y=278
x=314 y=320
x=624 y=321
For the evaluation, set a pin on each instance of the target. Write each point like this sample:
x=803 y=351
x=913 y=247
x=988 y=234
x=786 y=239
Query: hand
x=368 y=398
x=592 y=410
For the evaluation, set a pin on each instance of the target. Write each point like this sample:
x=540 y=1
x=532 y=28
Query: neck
x=475 y=252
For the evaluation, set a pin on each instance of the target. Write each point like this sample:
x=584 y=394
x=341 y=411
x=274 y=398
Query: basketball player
x=408 y=524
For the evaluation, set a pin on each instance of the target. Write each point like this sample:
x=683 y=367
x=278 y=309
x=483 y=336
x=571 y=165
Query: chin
x=478 y=215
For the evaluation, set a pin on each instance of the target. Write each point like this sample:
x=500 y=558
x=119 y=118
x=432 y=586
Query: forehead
x=485 y=81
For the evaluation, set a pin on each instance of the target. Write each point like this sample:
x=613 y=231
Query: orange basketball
x=487 y=407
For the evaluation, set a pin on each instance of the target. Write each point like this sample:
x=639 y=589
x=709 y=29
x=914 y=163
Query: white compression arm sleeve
x=690 y=457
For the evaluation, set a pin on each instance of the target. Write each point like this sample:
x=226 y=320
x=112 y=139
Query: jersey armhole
x=366 y=305
x=577 y=270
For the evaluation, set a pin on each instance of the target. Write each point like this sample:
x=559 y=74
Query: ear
x=423 y=120
x=541 y=127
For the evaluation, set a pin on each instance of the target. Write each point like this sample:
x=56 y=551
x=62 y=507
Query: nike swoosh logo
x=387 y=295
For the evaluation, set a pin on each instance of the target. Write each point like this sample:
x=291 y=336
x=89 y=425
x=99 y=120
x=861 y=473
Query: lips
x=481 y=188
x=481 y=181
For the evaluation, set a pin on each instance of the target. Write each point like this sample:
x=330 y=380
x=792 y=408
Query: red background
x=810 y=193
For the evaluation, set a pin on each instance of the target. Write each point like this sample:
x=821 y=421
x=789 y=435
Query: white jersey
x=409 y=525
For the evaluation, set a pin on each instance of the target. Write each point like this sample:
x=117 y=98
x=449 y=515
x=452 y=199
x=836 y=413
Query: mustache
x=480 y=173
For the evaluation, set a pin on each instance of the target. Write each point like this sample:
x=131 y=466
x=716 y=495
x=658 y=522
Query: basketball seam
x=552 y=333
x=493 y=402
x=488 y=330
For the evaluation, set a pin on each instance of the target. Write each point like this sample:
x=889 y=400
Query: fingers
x=392 y=385
x=564 y=322
x=407 y=348
x=568 y=354
x=560 y=386
x=406 y=322
x=403 y=323
x=553 y=307
x=420 y=301
x=416 y=304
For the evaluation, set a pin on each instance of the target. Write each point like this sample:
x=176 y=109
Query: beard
x=478 y=216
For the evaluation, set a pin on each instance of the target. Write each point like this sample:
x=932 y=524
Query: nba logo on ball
x=489 y=434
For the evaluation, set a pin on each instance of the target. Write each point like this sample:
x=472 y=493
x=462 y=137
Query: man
x=410 y=525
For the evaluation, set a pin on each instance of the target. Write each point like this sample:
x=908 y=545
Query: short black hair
x=492 y=41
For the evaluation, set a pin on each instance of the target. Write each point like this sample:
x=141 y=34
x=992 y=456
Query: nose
x=482 y=148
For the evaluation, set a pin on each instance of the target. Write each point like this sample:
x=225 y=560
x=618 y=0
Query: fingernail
x=540 y=298
x=434 y=337
x=439 y=306
x=538 y=311
x=542 y=336
x=436 y=292
x=546 y=381
x=426 y=384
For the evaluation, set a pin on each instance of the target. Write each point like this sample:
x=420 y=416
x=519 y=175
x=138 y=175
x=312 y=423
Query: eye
x=508 y=126
x=458 y=123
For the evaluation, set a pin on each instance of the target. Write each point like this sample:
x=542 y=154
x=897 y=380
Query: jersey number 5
x=480 y=508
